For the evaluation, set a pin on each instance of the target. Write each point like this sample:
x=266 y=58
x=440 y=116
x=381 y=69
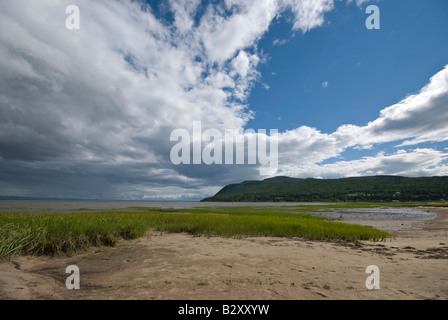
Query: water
x=378 y=214
x=64 y=206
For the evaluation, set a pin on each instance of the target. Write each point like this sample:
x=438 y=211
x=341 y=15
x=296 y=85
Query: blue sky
x=90 y=112
x=366 y=70
x=343 y=73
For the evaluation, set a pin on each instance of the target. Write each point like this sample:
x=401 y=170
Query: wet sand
x=413 y=265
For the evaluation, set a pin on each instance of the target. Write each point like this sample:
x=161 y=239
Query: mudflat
x=413 y=265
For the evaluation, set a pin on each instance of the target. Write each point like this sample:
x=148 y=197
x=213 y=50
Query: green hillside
x=377 y=188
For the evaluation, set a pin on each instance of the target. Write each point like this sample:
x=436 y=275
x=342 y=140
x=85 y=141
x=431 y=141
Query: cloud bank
x=88 y=113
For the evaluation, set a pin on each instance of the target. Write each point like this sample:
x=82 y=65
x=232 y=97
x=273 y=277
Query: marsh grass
x=438 y=204
x=51 y=234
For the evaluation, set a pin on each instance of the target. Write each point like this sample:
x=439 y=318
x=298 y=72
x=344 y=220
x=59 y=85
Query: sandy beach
x=413 y=265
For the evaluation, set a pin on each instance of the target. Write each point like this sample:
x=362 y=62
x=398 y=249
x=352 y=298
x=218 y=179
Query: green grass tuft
x=50 y=234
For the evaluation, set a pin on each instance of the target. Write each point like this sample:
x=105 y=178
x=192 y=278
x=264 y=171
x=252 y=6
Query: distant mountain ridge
x=374 y=188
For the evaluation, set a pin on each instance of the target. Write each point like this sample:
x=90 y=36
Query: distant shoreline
x=43 y=206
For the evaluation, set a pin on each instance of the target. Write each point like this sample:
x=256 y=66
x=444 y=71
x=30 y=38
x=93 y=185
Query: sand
x=413 y=265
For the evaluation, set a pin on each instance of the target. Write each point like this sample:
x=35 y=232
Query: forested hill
x=377 y=188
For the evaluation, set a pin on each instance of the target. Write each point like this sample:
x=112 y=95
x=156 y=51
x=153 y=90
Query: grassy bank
x=51 y=234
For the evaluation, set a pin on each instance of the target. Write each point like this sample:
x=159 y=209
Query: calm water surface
x=86 y=206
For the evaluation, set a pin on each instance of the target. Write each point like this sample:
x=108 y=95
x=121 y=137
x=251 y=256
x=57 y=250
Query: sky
x=89 y=112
